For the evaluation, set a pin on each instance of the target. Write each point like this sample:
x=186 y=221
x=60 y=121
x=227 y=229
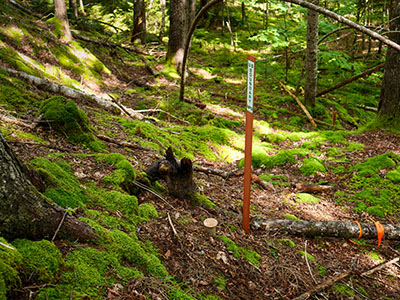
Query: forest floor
x=282 y=266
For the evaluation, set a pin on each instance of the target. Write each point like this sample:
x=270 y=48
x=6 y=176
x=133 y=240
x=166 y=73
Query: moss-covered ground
x=152 y=246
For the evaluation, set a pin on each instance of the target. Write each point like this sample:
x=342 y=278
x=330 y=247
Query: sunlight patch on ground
x=12 y=32
x=224 y=111
x=31 y=62
x=202 y=73
x=234 y=81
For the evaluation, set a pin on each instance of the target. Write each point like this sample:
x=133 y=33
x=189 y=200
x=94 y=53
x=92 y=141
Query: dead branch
x=299 y=103
x=7 y=246
x=350 y=80
x=342 y=276
x=223 y=174
x=19 y=122
x=336 y=229
x=172 y=225
x=346 y=21
x=59 y=226
x=121 y=143
x=367 y=108
x=312 y=188
x=266 y=185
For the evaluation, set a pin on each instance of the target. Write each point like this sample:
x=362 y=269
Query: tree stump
x=177 y=175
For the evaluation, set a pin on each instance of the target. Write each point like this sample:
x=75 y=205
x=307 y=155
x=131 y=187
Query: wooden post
x=248 y=143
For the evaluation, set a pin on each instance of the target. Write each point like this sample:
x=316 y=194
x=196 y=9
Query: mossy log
x=178 y=175
x=25 y=212
x=337 y=229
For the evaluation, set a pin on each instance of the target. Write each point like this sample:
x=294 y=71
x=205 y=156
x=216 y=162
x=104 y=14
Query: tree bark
x=389 y=104
x=328 y=229
x=177 y=34
x=311 y=57
x=162 y=24
x=60 y=12
x=74 y=8
x=139 y=21
x=26 y=213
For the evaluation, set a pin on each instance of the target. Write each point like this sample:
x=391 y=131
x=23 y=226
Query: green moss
x=260 y=157
x=64 y=116
x=306 y=198
x=309 y=256
x=10 y=264
x=322 y=271
x=250 y=255
x=376 y=211
x=311 y=166
x=91 y=271
x=61 y=185
x=394 y=175
x=291 y=217
x=124 y=173
x=339 y=170
x=343 y=289
x=115 y=201
x=220 y=282
x=199 y=199
x=178 y=294
x=374 y=164
x=147 y=211
x=130 y=250
x=287 y=242
x=41 y=259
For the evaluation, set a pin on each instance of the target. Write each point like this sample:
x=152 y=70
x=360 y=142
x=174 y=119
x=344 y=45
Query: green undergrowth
x=68 y=120
x=10 y=264
x=187 y=141
x=373 y=186
x=238 y=252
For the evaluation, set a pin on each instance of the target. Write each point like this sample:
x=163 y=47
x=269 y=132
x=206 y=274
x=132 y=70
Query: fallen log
x=299 y=103
x=339 y=229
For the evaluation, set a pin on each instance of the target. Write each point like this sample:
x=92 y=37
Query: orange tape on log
x=359 y=227
x=359 y=235
x=380 y=231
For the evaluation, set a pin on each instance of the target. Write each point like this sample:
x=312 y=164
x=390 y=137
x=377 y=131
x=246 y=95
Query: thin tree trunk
x=26 y=213
x=82 y=7
x=177 y=35
x=311 y=57
x=60 y=12
x=139 y=21
x=389 y=104
x=162 y=25
x=74 y=8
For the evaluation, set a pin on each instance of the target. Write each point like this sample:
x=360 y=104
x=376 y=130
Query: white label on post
x=250 y=85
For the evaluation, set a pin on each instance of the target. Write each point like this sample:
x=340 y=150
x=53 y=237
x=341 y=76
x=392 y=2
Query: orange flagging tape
x=359 y=235
x=380 y=232
x=359 y=227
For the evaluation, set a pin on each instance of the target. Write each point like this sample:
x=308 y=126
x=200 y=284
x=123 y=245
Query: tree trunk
x=82 y=7
x=389 y=105
x=177 y=34
x=26 y=213
x=162 y=24
x=74 y=8
x=328 y=229
x=139 y=21
x=311 y=57
x=60 y=12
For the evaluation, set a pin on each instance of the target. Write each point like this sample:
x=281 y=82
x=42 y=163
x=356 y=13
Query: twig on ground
x=59 y=226
x=121 y=143
x=7 y=246
x=308 y=265
x=141 y=185
x=172 y=226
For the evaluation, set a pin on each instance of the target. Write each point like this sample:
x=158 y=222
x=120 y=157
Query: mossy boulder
x=10 y=265
x=311 y=166
x=41 y=260
x=67 y=119
x=61 y=185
